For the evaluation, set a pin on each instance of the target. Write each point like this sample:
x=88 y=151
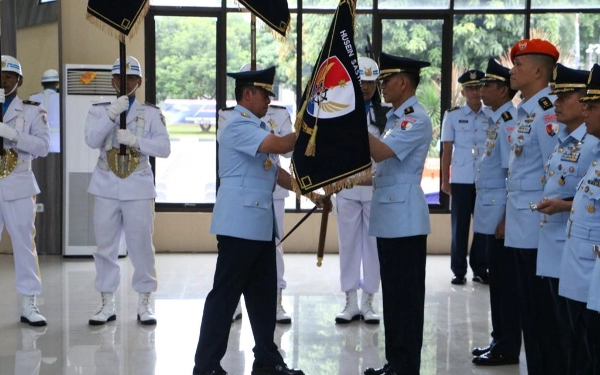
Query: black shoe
x=377 y=371
x=458 y=280
x=479 y=351
x=275 y=370
x=483 y=279
x=490 y=359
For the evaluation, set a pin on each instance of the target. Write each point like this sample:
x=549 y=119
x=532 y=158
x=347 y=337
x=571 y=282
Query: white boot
x=282 y=316
x=145 y=314
x=29 y=337
x=351 y=311
x=366 y=309
x=30 y=313
x=237 y=315
x=107 y=311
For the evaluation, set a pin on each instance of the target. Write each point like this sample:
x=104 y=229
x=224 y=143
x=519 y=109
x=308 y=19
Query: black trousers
x=585 y=326
x=541 y=334
x=463 y=205
x=402 y=267
x=243 y=267
x=506 y=319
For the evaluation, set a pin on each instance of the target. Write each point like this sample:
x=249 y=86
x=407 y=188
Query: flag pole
x=252 y=42
x=1 y=111
x=323 y=231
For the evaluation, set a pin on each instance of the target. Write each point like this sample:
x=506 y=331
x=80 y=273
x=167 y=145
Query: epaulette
x=244 y=114
x=103 y=103
x=409 y=110
x=31 y=102
x=277 y=106
x=545 y=103
x=151 y=105
x=506 y=116
x=227 y=108
x=454 y=108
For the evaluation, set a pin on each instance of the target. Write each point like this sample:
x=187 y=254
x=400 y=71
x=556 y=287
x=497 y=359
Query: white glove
x=117 y=107
x=2 y=96
x=8 y=132
x=127 y=138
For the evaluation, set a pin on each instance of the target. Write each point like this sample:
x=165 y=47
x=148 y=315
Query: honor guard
x=357 y=249
x=124 y=192
x=580 y=268
x=464 y=131
x=400 y=214
x=243 y=221
x=25 y=136
x=488 y=219
x=50 y=99
x=278 y=122
x=532 y=141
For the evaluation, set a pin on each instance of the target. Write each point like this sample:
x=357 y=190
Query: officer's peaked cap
x=259 y=78
x=471 y=78
x=566 y=79
x=389 y=64
x=593 y=86
x=496 y=72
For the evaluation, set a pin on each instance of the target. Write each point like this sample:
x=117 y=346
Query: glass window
x=409 y=4
x=489 y=4
x=565 y=4
x=186 y=3
x=185 y=91
x=574 y=34
x=422 y=40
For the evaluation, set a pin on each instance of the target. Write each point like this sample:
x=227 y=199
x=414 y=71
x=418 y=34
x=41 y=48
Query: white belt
x=23 y=165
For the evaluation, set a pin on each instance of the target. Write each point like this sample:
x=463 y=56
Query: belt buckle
x=596 y=250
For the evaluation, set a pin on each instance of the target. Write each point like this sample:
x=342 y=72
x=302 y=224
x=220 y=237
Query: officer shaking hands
x=124 y=197
x=25 y=136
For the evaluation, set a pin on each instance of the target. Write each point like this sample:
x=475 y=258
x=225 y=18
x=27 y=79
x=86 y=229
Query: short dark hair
x=511 y=92
x=413 y=78
x=239 y=91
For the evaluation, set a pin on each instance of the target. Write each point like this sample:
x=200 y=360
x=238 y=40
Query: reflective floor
x=457 y=318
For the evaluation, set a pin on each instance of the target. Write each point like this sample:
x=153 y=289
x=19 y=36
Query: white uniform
x=19 y=188
x=356 y=247
x=280 y=124
x=50 y=100
x=125 y=204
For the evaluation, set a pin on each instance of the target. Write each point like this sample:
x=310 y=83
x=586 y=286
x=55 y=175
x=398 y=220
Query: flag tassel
x=311 y=148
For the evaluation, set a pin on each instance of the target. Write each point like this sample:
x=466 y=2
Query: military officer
x=278 y=122
x=579 y=265
x=399 y=213
x=50 y=99
x=243 y=221
x=488 y=219
x=464 y=132
x=357 y=249
x=532 y=141
x=24 y=131
x=124 y=200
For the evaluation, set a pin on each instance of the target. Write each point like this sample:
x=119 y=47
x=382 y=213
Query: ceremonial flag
x=119 y=18
x=332 y=149
x=274 y=13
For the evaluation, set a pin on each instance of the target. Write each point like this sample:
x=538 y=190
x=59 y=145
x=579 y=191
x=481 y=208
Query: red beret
x=534 y=47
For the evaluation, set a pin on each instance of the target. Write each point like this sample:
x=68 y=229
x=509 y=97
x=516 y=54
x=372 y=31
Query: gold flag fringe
x=114 y=32
x=335 y=187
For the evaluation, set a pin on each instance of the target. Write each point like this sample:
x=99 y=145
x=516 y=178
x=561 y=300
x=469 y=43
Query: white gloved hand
x=117 y=107
x=8 y=132
x=127 y=138
x=2 y=96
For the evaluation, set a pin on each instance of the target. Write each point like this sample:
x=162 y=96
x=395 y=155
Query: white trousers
x=279 y=207
x=356 y=247
x=19 y=218
x=136 y=219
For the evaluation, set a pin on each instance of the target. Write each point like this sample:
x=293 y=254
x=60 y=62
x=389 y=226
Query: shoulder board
x=545 y=103
x=454 y=108
x=506 y=116
x=277 y=106
x=227 y=109
x=31 y=102
x=408 y=110
x=244 y=114
x=103 y=103
x=151 y=105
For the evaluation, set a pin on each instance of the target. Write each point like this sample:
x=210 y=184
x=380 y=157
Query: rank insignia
x=408 y=110
x=506 y=116
x=545 y=103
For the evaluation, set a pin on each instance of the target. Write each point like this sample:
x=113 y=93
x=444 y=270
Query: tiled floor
x=457 y=318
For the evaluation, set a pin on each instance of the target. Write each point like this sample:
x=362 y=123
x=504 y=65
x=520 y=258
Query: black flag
x=117 y=17
x=274 y=13
x=332 y=150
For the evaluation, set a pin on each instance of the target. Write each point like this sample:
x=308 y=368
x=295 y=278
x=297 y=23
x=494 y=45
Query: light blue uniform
x=244 y=205
x=468 y=131
x=563 y=171
x=583 y=231
x=490 y=201
x=531 y=142
x=399 y=207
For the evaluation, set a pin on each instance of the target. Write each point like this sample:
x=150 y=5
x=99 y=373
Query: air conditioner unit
x=84 y=86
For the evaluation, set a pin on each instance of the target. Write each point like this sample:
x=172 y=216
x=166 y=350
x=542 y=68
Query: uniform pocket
x=257 y=198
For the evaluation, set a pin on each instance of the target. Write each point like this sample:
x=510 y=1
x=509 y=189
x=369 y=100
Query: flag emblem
x=332 y=93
